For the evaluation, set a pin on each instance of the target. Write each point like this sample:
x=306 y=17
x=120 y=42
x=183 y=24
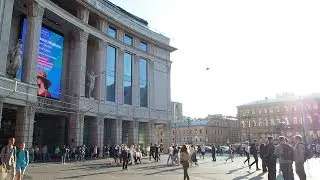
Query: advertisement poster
x=49 y=66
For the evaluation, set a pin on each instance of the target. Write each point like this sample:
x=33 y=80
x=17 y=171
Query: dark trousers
x=185 y=172
x=125 y=163
x=264 y=165
x=300 y=170
x=255 y=161
x=248 y=159
x=214 y=157
x=287 y=171
x=272 y=171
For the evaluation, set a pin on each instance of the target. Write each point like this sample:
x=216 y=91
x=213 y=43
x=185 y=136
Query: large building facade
x=91 y=73
x=285 y=115
x=214 y=129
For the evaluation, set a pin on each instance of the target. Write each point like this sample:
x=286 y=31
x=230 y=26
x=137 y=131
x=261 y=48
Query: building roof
x=144 y=22
x=282 y=99
x=192 y=123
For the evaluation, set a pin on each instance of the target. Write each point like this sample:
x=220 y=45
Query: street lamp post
x=189 y=124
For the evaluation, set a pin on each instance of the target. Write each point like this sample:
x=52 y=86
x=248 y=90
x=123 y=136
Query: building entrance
x=8 y=124
x=50 y=130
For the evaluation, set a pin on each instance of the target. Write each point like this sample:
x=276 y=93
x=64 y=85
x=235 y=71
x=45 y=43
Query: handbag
x=3 y=172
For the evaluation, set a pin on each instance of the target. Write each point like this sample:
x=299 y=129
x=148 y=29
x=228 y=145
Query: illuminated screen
x=49 y=64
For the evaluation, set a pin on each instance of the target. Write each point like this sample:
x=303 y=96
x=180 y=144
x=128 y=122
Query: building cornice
x=93 y=31
x=104 y=11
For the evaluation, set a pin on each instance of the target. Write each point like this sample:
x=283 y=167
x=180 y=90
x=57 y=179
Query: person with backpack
x=9 y=158
x=285 y=153
x=22 y=161
x=300 y=157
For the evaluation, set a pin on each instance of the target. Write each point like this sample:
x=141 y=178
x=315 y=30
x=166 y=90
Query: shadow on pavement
x=243 y=177
x=163 y=171
x=235 y=170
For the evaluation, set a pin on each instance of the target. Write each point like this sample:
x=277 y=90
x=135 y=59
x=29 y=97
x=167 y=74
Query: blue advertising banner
x=49 y=66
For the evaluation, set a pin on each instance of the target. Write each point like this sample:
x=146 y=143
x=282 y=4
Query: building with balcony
x=86 y=72
x=286 y=115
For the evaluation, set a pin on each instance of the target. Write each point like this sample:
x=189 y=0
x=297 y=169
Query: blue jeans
x=63 y=158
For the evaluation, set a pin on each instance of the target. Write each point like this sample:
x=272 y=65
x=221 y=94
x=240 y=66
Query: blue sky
x=254 y=49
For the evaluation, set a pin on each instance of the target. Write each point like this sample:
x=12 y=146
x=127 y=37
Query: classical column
x=119 y=76
x=31 y=46
x=100 y=63
x=100 y=134
x=24 y=125
x=76 y=125
x=134 y=132
x=96 y=130
x=78 y=68
x=116 y=131
x=135 y=84
x=151 y=95
x=150 y=133
x=6 y=8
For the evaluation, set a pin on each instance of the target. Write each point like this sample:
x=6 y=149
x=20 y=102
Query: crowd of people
x=14 y=160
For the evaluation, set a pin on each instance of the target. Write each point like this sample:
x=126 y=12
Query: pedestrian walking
x=213 y=153
x=9 y=159
x=193 y=155
x=263 y=153
x=22 y=161
x=254 y=152
x=184 y=160
x=285 y=153
x=299 y=157
x=125 y=157
x=170 y=157
x=231 y=151
x=271 y=159
x=247 y=153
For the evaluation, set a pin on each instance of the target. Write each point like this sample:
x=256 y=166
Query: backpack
x=288 y=152
x=307 y=152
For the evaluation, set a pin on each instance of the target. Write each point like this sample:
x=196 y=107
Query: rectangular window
x=143 y=46
x=127 y=79
x=128 y=40
x=111 y=74
x=143 y=79
x=112 y=31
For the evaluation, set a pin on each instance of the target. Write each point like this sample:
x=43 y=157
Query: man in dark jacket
x=254 y=152
x=151 y=152
x=213 y=153
x=263 y=153
x=271 y=159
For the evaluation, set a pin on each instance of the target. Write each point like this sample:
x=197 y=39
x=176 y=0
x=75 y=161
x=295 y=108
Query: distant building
x=214 y=129
x=287 y=115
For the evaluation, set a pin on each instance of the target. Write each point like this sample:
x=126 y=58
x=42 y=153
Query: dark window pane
x=110 y=74
x=143 y=75
x=112 y=32
x=143 y=66
x=127 y=92
x=143 y=46
x=128 y=40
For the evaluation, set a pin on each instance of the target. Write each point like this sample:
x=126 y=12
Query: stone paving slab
x=207 y=170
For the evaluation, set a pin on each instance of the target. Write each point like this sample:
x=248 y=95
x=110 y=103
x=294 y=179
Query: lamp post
x=248 y=127
x=302 y=120
x=189 y=125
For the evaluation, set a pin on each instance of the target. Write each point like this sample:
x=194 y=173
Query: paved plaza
x=207 y=170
